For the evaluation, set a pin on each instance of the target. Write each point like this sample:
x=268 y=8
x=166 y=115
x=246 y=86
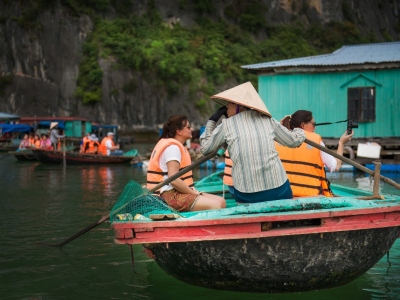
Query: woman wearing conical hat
x=250 y=132
x=54 y=136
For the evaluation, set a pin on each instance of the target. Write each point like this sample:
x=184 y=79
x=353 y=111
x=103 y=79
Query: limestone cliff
x=40 y=60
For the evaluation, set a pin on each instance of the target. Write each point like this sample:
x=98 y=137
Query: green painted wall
x=325 y=94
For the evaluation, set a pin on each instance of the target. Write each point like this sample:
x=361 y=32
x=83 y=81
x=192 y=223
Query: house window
x=361 y=104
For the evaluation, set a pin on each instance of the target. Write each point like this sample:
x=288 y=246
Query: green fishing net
x=138 y=201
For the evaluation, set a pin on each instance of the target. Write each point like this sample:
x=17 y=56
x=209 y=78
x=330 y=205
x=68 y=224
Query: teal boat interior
x=140 y=205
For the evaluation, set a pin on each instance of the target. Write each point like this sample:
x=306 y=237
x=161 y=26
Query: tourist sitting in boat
x=36 y=141
x=24 y=143
x=85 y=139
x=54 y=135
x=169 y=156
x=31 y=138
x=92 y=145
x=249 y=131
x=45 y=143
x=305 y=165
x=108 y=147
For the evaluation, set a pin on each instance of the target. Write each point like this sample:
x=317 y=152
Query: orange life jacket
x=154 y=173
x=36 y=143
x=304 y=168
x=103 y=149
x=228 y=169
x=85 y=139
x=91 y=147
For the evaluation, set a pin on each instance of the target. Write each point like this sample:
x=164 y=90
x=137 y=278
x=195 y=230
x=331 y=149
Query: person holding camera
x=305 y=166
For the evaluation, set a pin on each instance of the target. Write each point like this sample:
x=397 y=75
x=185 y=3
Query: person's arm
x=285 y=137
x=328 y=160
x=343 y=140
x=212 y=138
x=178 y=184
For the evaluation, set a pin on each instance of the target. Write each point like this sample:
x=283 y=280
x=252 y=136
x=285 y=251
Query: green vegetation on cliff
x=206 y=55
x=201 y=57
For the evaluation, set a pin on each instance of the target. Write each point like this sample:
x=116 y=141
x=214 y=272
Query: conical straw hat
x=53 y=124
x=244 y=94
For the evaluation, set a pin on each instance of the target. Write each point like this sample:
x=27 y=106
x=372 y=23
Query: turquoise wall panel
x=77 y=129
x=69 y=129
x=325 y=94
x=88 y=128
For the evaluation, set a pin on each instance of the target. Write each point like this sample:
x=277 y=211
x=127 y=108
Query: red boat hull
x=269 y=252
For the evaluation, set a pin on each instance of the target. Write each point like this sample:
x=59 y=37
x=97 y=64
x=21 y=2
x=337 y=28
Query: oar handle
x=351 y=162
x=78 y=234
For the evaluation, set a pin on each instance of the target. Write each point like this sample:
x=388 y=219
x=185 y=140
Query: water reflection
x=44 y=204
x=96 y=180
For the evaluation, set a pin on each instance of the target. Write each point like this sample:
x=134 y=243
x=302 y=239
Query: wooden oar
x=158 y=186
x=350 y=162
x=64 y=157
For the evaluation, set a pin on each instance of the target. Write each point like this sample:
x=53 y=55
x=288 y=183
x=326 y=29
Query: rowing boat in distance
x=74 y=158
x=23 y=155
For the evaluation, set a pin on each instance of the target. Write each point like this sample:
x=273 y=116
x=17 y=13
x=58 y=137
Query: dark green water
x=42 y=204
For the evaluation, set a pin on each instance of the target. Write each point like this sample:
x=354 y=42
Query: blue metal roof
x=347 y=55
x=15 y=128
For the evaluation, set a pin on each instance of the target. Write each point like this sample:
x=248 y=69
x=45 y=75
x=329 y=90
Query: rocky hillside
x=134 y=63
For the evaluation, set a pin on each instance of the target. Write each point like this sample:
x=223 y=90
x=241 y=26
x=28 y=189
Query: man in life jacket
x=305 y=166
x=169 y=156
x=85 y=139
x=108 y=147
x=92 y=145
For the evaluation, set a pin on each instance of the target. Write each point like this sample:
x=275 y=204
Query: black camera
x=350 y=126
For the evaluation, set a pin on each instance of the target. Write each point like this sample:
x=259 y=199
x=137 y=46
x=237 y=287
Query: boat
x=75 y=158
x=11 y=135
x=280 y=246
x=23 y=155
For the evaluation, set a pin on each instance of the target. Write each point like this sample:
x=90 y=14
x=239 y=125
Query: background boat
x=72 y=158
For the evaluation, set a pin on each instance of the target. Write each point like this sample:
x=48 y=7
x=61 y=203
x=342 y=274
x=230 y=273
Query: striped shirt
x=250 y=137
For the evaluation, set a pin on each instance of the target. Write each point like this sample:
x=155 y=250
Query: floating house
x=73 y=128
x=357 y=82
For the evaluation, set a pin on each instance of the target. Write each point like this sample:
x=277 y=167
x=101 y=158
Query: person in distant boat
x=249 y=131
x=108 y=147
x=36 y=141
x=92 y=145
x=54 y=135
x=45 y=143
x=31 y=138
x=169 y=156
x=25 y=144
x=85 y=139
x=305 y=165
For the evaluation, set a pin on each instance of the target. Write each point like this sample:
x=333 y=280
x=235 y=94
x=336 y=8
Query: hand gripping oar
x=350 y=162
x=158 y=186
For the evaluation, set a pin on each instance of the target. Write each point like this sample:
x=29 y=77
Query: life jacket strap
x=301 y=163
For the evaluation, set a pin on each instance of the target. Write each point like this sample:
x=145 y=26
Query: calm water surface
x=43 y=204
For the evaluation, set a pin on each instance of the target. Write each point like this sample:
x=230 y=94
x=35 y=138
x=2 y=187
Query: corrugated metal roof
x=347 y=55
